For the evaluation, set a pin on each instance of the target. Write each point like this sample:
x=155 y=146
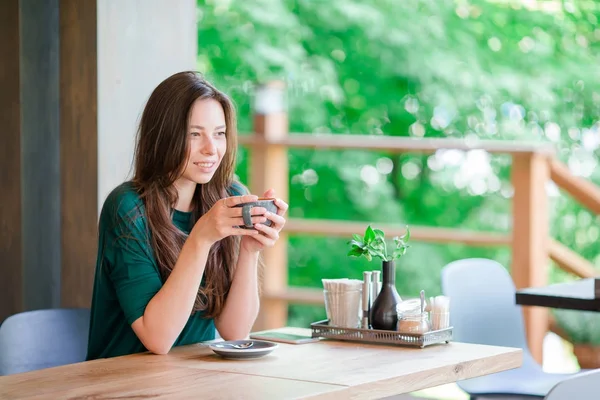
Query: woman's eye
x=195 y=134
x=222 y=133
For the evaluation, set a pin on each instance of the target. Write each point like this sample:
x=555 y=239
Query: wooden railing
x=532 y=167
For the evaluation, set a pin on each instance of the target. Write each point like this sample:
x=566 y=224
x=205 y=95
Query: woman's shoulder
x=122 y=203
x=123 y=198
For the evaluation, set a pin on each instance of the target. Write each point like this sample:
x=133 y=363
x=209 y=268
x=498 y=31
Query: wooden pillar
x=269 y=169
x=78 y=150
x=49 y=181
x=11 y=265
x=530 y=174
x=40 y=153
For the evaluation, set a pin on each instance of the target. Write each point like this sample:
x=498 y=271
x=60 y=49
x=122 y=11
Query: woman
x=172 y=262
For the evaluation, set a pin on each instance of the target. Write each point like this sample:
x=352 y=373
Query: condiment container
x=410 y=317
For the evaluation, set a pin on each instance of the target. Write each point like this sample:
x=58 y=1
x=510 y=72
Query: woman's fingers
x=278 y=220
x=282 y=206
x=264 y=240
x=267 y=235
x=255 y=220
x=237 y=211
x=269 y=193
x=235 y=200
x=244 y=232
x=269 y=232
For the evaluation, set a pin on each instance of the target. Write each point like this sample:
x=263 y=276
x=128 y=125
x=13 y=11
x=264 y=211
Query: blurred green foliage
x=420 y=68
x=581 y=327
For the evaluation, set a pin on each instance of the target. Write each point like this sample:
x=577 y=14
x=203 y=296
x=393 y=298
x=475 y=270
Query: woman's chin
x=202 y=179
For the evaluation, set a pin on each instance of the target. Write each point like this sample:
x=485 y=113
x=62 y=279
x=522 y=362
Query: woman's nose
x=208 y=147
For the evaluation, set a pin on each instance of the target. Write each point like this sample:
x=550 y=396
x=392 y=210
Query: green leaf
x=355 y=252
x=368 y=256
x=369 y=235
x=407 y=234
x=379 y=233
x=399 y=252
x=406 y=237
x=377 y=244
x=357 y=243
x=358 y=238
x=379 y=254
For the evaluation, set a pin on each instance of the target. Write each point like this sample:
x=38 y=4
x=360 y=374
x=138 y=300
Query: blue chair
x=583 y=386
x=483 y=311
x=43 y=338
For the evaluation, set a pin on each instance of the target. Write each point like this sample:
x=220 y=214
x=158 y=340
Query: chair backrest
x=482 y=304
x=43 y=338
x=582 y=386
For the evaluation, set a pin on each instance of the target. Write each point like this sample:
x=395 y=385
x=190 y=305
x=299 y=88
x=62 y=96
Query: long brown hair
x=161 y=155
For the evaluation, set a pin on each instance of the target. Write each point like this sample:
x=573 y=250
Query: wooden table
x=323 y=370
x=577 y=295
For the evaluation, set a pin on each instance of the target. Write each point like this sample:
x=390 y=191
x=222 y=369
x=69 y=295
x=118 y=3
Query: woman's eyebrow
x=202 y=128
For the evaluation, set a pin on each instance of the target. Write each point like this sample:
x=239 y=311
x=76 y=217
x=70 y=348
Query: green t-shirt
x=127 y=278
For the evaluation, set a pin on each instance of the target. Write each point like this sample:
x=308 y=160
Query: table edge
x=514 y=356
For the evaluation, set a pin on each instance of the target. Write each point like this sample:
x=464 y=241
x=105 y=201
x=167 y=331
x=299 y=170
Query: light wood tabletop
x=323 y=370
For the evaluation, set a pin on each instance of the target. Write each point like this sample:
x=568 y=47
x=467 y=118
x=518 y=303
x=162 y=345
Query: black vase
x=383 y=310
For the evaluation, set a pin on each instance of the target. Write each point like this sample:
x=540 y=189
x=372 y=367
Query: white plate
x=228 y=349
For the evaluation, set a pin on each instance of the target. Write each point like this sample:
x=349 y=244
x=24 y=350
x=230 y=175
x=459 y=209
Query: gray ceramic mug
x=266 y=203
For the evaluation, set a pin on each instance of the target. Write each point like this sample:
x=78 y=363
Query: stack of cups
x=343 y=302
x=439 y=312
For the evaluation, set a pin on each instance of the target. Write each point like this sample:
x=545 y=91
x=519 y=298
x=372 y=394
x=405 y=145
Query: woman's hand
x=268 y=235
x=224 y=219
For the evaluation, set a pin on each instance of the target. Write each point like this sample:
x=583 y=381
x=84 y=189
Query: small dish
x=243 y=349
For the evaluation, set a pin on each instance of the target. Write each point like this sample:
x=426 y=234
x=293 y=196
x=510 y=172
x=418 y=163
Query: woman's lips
x=205 y=166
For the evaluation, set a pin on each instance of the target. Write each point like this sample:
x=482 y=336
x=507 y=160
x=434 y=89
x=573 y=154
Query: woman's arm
x=242 y=304
x=169 y=310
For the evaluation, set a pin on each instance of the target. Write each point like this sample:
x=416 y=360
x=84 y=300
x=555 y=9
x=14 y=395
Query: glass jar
x=411 y=319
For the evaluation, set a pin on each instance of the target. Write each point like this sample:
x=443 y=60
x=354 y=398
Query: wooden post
x=11 y=265
x=530 y=174
x=78 y=150
x=269 y=169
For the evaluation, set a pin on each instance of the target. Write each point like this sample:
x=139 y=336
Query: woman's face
x=208 y=142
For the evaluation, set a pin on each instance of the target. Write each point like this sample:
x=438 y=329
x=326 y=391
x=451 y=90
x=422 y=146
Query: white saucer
x=259 y=348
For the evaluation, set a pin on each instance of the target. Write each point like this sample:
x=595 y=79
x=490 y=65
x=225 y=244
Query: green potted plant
x=374 y=245
x=582 y=329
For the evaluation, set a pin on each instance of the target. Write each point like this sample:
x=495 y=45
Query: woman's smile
x=206 y=166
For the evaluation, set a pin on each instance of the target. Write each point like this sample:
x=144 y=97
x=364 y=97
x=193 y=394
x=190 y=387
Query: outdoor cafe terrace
x=500 y=315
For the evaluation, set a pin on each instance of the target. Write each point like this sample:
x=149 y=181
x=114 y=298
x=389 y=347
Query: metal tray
x=324 y=330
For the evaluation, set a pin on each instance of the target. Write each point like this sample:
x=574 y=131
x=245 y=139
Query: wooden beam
x=269 y=169
x=392 y=144
x=419 y=233
x=530 y=173
x=11 y=263
x=582 y=190
x=78 y=150
x=570 y=261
